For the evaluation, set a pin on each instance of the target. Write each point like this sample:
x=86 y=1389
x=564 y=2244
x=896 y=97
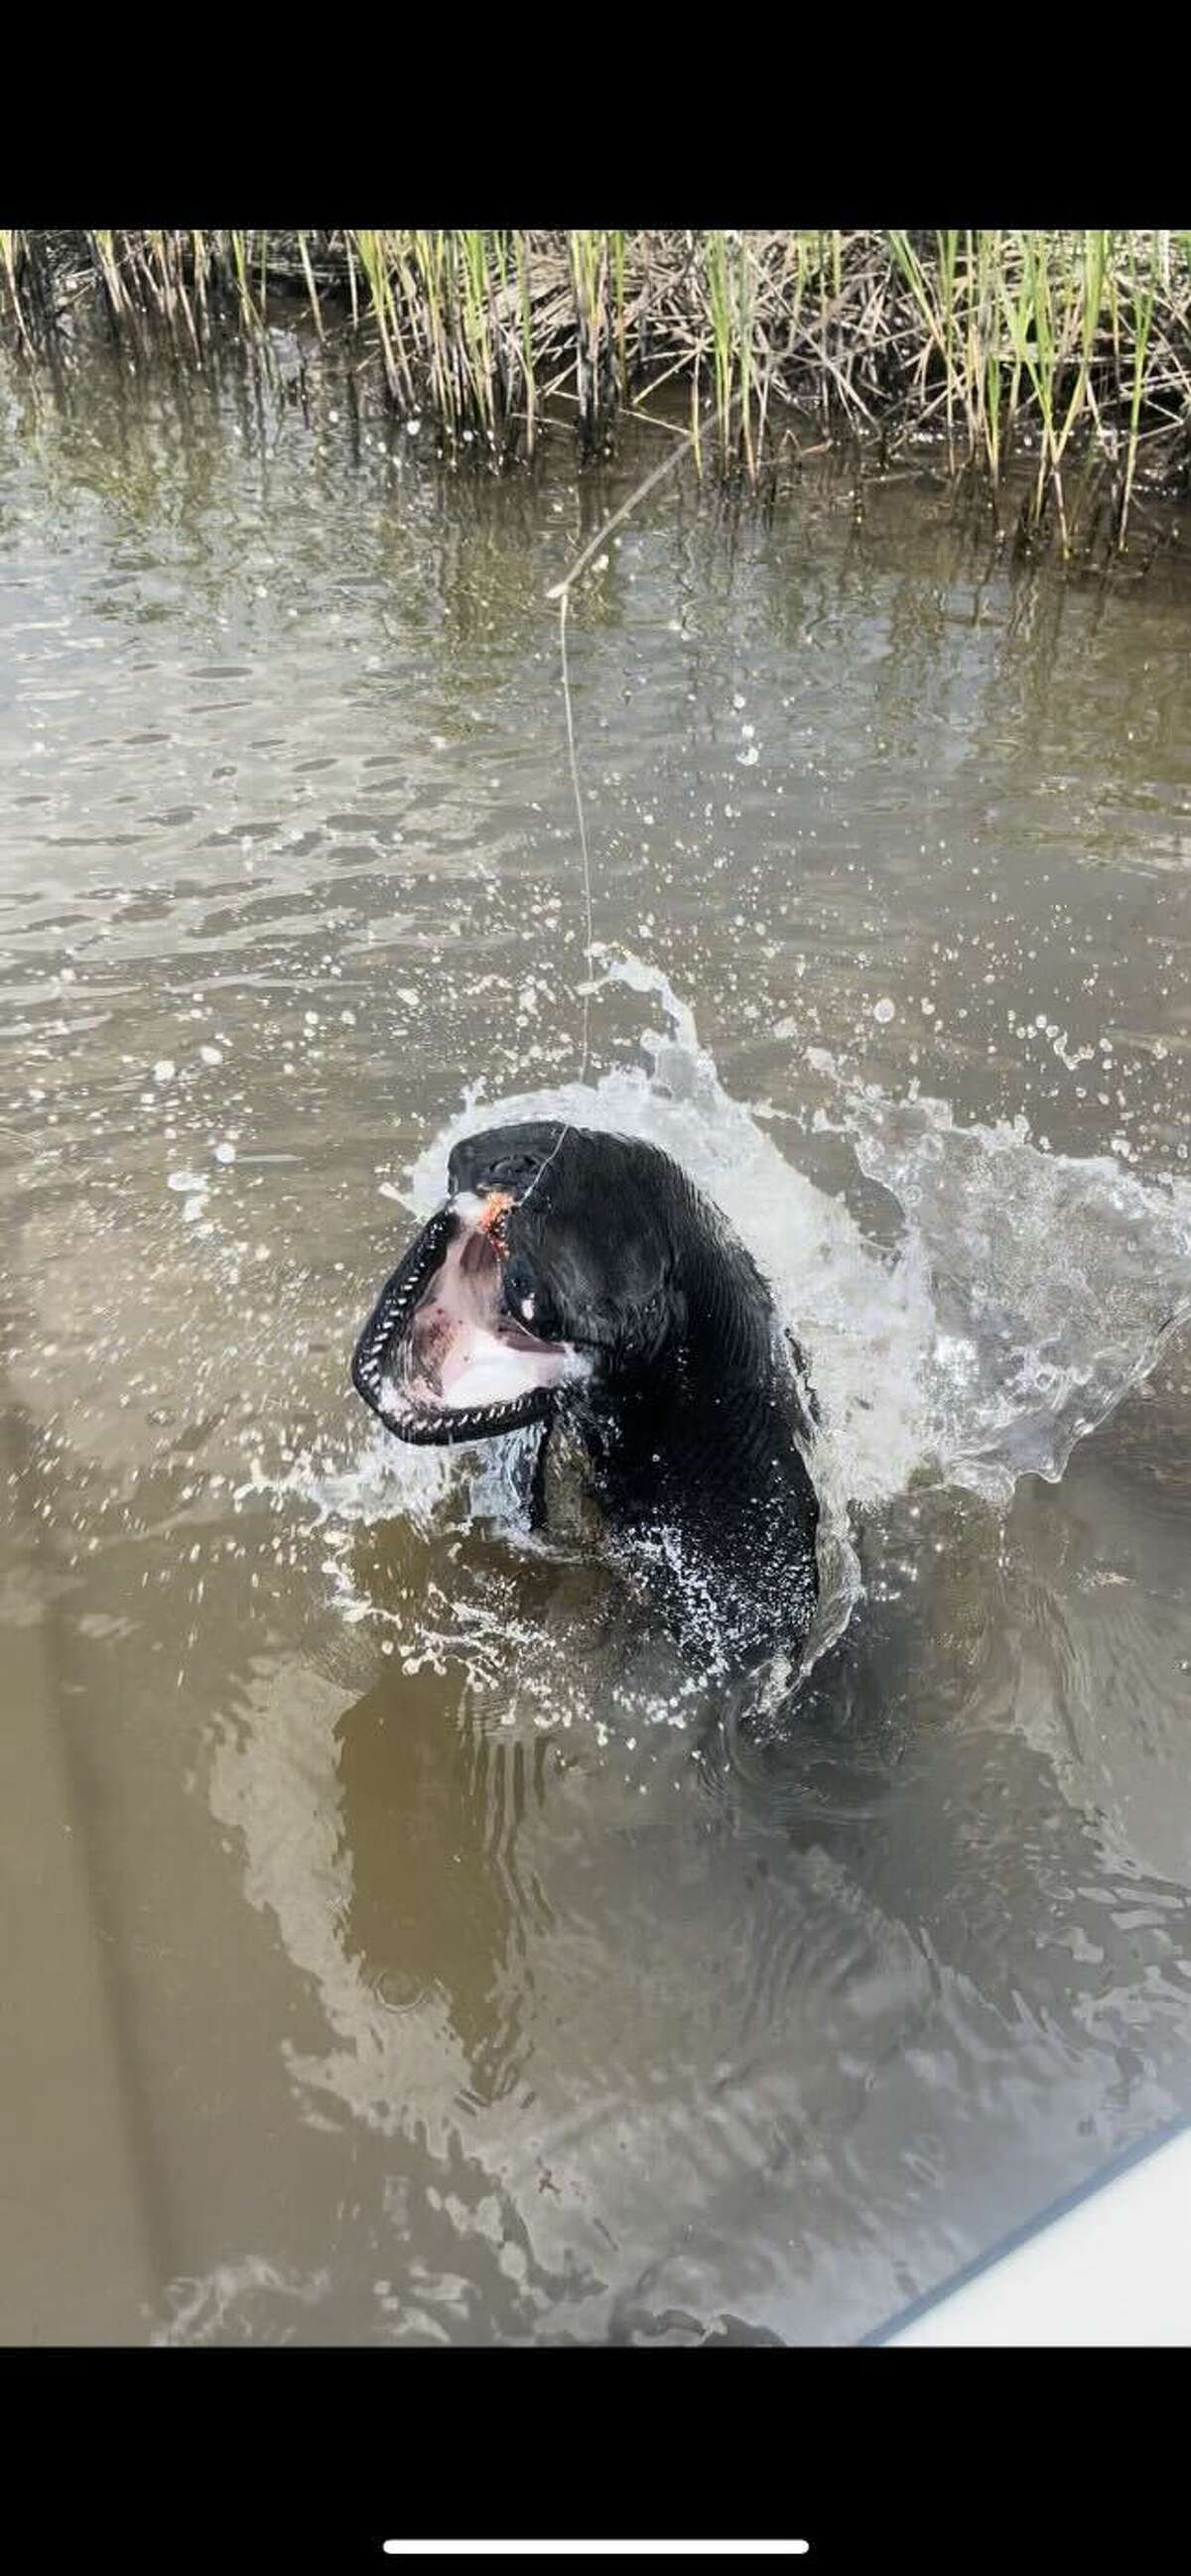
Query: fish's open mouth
x=441 y=1358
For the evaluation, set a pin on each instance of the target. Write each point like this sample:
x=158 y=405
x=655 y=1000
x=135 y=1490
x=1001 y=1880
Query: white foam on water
x=1053 y=1280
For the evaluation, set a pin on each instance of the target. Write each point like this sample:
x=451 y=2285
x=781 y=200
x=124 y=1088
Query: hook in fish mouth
x=445 y=1355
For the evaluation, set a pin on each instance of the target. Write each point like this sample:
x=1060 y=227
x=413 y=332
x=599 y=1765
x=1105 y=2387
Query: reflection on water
x=401 y=1943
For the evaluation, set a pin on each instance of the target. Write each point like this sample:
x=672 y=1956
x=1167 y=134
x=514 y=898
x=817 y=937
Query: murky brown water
x=393 y=1949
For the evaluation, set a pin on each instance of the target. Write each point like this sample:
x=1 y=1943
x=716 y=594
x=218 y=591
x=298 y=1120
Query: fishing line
x=561 y=591
x=588 y=944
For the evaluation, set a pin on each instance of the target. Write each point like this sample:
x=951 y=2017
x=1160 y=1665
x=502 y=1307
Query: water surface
x=400 y=1944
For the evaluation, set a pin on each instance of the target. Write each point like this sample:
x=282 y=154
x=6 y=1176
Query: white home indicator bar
x=596 y=2548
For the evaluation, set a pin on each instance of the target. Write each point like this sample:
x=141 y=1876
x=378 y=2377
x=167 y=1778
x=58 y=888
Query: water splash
x=1054 y=1280
x=1027 y=1294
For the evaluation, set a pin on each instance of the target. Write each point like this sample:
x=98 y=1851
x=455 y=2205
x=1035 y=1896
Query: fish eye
x=519 y=1290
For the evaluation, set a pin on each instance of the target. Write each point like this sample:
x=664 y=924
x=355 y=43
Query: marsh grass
x=1007 y=349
